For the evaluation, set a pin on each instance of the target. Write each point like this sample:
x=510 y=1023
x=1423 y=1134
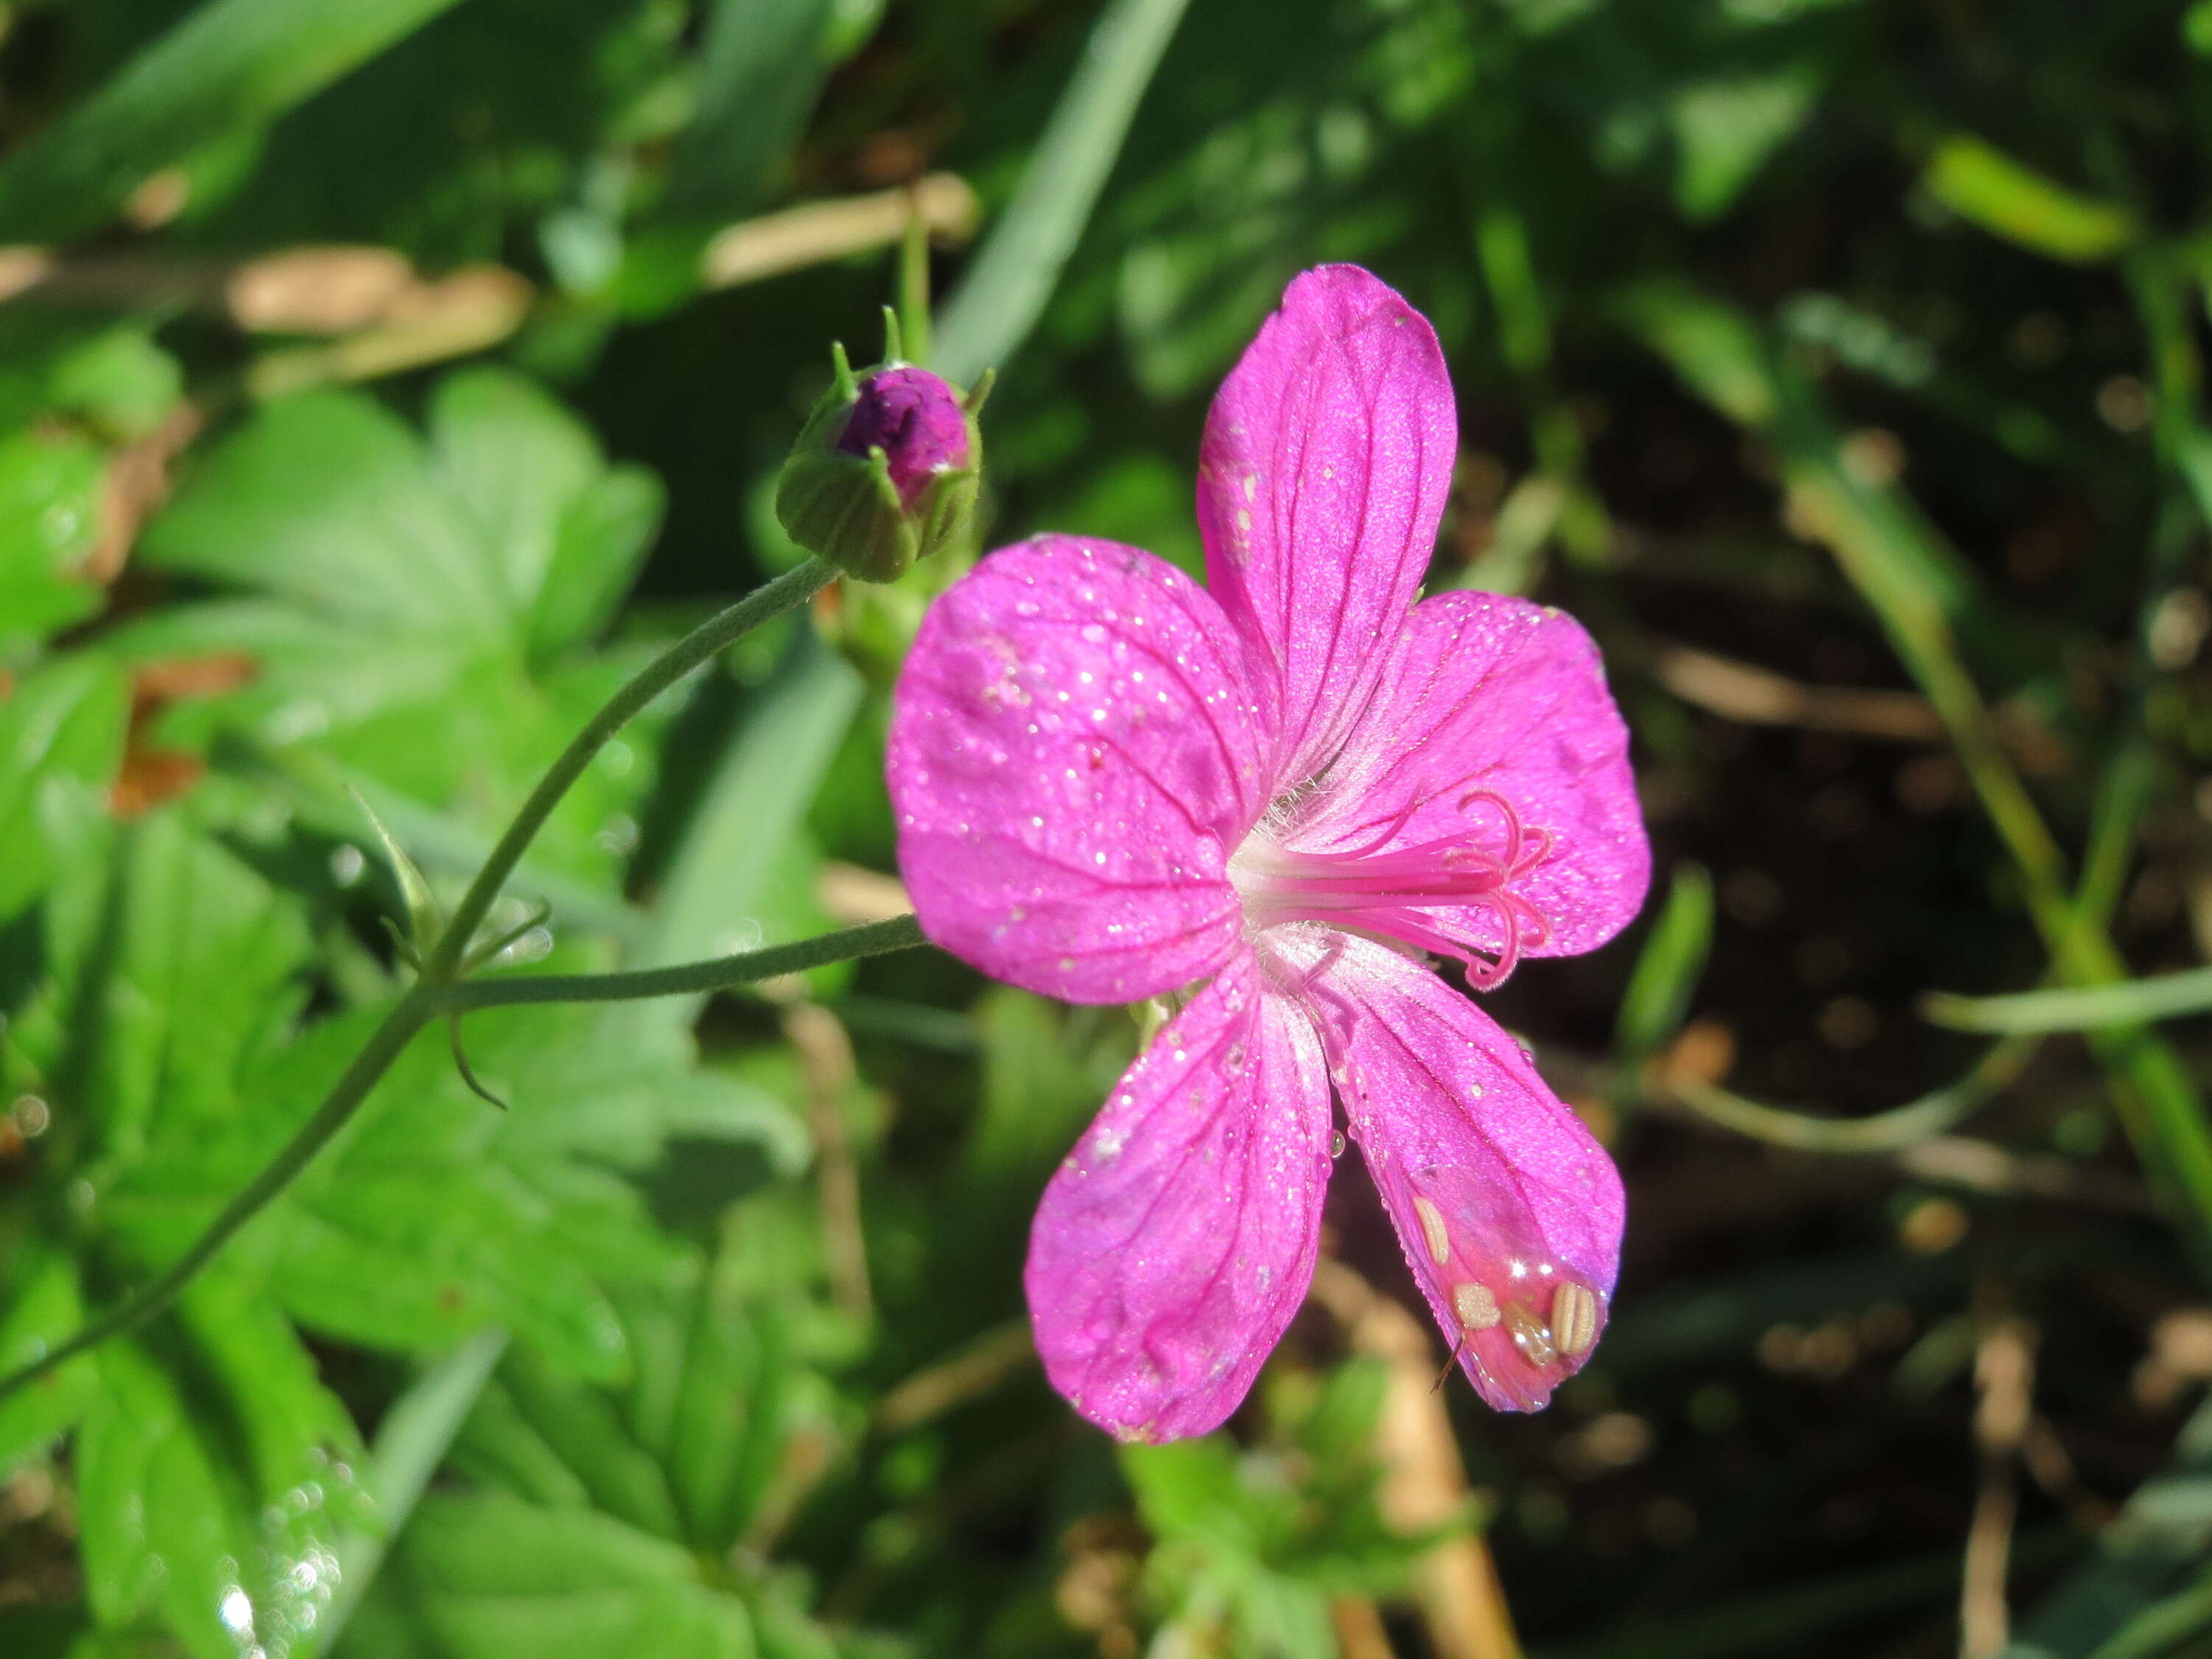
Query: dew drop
x=1336 y=1145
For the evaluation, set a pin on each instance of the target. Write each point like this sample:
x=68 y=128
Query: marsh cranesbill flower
x=885 y=471
x=1277 y=795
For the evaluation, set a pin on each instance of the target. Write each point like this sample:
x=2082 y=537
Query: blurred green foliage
x=369 y=413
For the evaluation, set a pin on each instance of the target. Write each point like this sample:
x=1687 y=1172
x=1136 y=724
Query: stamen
x=1475 y=1306
x=1398 y=894
x=1522 y=1319
x=1574 y=1318
x=1432 y=1229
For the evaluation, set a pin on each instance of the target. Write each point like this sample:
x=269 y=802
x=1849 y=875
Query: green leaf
x=1253 y=1543
x=1191 y=1488
x=324 y=499
x=600 y=542
x=109 y=376
x=436 y=1217
x=213 y=1472
x=531 y=476
x=413 y=1257
x=418 y=604
x=426 y=918
x=328 y=501
x=614 y=1474
x=1983 y=185
x=489 y=1577
x=711 y=1398
x=181 y=965
x=61 y=740
x=2163 y=1627
x=686 y=1448
x=45 y=1305
x=117 y=378
x=50 y=487
x=231 y=65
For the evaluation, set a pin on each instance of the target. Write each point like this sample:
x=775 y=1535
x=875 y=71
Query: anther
x=1432 y=1228
x=1574 y=1318
x=1475 y=1306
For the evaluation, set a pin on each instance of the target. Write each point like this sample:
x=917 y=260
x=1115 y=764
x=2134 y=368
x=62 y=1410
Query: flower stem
x=872 y=939
x=794 y=587
x=436 y=993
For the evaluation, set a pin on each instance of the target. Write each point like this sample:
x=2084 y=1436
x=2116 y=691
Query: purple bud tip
x=915 y=419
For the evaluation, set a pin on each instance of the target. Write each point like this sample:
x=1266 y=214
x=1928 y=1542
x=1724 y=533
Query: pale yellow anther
x=1476 y=1307
x=1574 y=1318
x=1432 y=1228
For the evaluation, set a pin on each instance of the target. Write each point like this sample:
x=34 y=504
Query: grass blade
x=1007 y=288
x=1667 y=973
x=1983 y=185
x=2129 y=1002
x=410 y=1443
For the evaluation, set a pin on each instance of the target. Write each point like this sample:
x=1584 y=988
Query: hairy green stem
x=437 y=993
x=794 y=587
x=872 y=939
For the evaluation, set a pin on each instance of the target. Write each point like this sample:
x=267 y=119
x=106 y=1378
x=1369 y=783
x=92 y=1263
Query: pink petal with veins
x=1073 y=753
x=1322 y=482
x=1491 y=699
x=1509 y=1210
x=1178 y=1240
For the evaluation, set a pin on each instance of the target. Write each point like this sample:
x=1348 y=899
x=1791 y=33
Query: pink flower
x=1283 y=789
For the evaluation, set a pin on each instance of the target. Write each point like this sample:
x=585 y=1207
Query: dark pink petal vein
x=1073 y=754
x=1321 y=485
x=1178 y=1238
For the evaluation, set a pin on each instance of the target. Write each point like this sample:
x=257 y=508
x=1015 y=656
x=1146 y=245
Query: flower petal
x=1322 y=482
x=1501 y=697
x=1509 y=1210
x=1178 y=1238
x=1072 y=752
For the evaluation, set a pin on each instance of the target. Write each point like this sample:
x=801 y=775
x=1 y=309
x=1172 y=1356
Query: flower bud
x=886 y=471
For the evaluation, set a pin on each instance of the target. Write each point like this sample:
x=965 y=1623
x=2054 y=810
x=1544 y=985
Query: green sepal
x=845 y=508
x=426 y=917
